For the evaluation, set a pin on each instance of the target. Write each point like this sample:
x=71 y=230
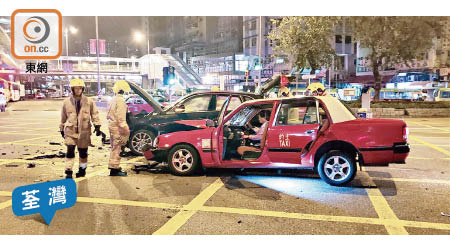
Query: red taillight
x=405 y=133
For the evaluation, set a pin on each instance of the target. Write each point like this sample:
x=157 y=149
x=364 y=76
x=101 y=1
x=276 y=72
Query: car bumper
x=401 y=152
x=383 y=156
x=401 y=148
x=156 y=154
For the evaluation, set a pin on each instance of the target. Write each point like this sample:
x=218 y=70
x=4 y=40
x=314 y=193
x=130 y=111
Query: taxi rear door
x=294 y=126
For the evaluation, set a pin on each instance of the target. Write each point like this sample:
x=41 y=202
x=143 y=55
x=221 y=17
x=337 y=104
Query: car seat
x=253 y=153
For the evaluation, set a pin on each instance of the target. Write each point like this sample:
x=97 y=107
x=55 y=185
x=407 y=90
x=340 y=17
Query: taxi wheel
x=139 y=139
x=183 y=160
x=337 y=168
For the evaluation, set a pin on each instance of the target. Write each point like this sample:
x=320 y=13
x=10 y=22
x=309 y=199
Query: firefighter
x=77 y=114
x=118 y=127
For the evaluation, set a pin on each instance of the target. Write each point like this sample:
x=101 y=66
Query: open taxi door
x=217 y=135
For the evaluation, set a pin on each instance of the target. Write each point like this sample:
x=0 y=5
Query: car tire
x=139 y=139
x=183 y=160
x=336 y=168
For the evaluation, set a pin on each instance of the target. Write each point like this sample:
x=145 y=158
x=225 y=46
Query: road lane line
x=176 y=222
x=27 y=129
x=414 y=138
x=129 y=203
x=428 y=126
x=383 y=209
x=5 y=193
x=265 y=213
x=31 y=139
x=5 y=204
x=394 y=223
x=44 y=145
x=385 y=212
x=429 y=181
x=439 y=137
x=426 y=158
x=18 y=133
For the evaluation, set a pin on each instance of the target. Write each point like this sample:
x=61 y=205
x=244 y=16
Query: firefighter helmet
x=77 y=82
x=121 y=85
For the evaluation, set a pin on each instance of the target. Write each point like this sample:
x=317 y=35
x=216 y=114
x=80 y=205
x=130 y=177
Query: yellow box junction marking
x=384 y=211
x=172 y=226
x=254 y=212
x=5 y=204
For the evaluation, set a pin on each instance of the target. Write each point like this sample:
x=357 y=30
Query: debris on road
x=55 y=143
x=31 y=165
x=49 y=156
x=239 y=222
x=3 y=153
x=151 y=167
x=11 y=165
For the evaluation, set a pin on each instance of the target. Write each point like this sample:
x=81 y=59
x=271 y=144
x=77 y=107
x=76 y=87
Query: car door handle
x=310 y=131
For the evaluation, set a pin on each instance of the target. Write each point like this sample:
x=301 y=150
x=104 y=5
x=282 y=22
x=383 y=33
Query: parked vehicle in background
x=40 y=96
x=137 y=104
x=400 y=94
x=4 y=87
x=14 y=90
x=442 y=94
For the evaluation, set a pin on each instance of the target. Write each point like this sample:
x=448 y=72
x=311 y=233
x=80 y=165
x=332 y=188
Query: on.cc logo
x=36 y=29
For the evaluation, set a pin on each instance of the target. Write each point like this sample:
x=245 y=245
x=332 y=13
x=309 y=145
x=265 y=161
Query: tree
x=393 y=40
x=306 y=40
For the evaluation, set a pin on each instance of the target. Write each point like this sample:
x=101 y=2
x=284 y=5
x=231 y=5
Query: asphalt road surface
x=410 y=198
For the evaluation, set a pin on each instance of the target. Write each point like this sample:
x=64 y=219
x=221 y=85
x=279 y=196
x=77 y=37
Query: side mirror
x=210 y=123
x=179 y=109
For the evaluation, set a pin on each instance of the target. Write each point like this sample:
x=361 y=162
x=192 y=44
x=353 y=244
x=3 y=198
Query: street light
x=73 y=31
x=138 y=37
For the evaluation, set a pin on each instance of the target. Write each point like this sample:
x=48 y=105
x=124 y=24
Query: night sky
x=111 y=28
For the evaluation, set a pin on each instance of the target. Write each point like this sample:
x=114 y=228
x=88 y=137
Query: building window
x=246 y=43
x=253 y=41
x=338 y=39
x=252 y=25
x=348 y=39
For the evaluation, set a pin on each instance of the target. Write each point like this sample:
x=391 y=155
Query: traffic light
x=168 y=75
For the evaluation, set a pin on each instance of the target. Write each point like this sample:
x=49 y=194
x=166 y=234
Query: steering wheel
x=248 y=127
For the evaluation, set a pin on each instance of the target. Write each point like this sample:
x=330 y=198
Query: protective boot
x=69 y=163
x=69 y=174
x=82 y=170
x=117 y=172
